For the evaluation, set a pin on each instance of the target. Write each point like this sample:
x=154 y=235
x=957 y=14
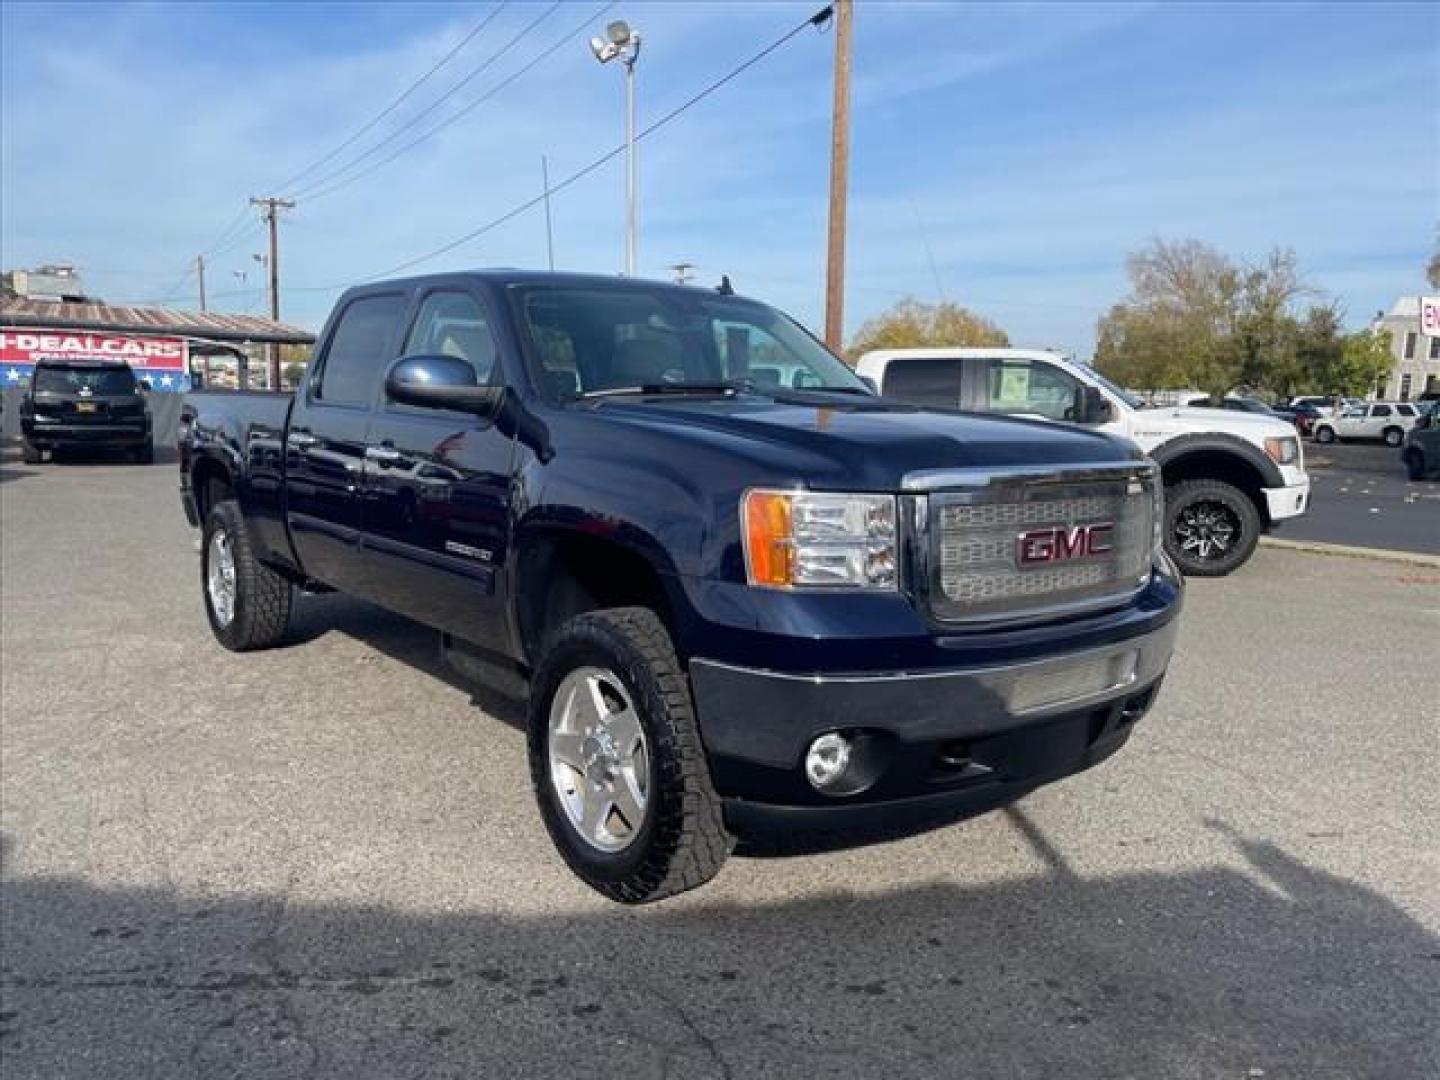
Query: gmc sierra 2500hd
x=742 y=588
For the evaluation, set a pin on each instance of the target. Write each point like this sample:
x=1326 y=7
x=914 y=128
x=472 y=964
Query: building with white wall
x=1414 y=325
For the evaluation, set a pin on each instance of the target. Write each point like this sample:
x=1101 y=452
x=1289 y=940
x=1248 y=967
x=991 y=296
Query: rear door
x=437 y=484
x=1381 y=417
x=325 y=445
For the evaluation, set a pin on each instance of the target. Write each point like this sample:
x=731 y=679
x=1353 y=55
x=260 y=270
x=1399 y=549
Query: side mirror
x=871 y=383
x=1095 y=408
x=439 y=382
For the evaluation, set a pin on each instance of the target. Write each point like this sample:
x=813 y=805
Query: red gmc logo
x=1058 y=544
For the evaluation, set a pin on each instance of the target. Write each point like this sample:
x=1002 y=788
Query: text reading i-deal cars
x=741 y=588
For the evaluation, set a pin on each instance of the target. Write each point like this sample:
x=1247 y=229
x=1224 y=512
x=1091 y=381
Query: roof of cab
x=502 y=276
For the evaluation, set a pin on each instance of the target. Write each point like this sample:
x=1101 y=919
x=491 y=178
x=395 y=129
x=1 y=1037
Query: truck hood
x=1252 y=427
x=848 y=443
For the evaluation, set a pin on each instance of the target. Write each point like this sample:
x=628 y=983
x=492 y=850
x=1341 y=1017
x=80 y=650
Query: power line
x=818 y=19
x=228 y=238
x=404 y=95
x=315 y=185
x=542 y=55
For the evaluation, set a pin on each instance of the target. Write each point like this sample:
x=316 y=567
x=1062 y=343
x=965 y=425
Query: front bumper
x=1289 y=501
x=976 y=735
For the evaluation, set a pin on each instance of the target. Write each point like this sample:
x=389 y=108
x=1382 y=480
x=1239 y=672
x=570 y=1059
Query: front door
x=325 y=445
x=437 y=486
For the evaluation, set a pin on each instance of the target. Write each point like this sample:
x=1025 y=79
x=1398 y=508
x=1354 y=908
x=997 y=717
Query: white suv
x=1228 y=475
x=1388 y=420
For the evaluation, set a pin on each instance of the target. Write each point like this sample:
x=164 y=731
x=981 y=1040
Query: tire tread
x=690 y=842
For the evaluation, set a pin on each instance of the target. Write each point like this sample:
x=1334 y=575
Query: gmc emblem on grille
x=1059 y=544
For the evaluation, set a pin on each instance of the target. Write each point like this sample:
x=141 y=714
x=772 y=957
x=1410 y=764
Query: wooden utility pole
x=839 y=181
x=270 y=212
x=200 y=274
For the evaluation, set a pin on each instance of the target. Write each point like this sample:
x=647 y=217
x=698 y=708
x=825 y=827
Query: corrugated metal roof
x=21 y=311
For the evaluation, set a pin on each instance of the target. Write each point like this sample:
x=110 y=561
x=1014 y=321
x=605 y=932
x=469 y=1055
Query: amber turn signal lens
x=769 y=546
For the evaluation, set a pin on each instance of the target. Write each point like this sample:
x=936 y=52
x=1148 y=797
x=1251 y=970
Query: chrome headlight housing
x=819 y=540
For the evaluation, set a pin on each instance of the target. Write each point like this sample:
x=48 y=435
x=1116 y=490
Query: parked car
x=1421 y=452
x=733 y=600
x=1228 y=476
x=89 y=404
x=1321 y=403
x=1303 y=415
x=1386 y=420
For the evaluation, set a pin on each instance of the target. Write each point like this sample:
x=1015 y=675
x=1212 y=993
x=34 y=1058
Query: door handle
x=382 y=455
x=302 y=440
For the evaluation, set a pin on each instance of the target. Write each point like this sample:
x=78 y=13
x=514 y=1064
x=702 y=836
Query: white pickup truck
x=1229 y=476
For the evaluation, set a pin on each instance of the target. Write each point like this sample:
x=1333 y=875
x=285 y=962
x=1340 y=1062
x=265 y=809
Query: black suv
x=96 y=405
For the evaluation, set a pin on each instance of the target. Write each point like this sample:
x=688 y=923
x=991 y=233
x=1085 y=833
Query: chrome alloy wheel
x=599 y=759
x=1206 y=529
x=220 y=577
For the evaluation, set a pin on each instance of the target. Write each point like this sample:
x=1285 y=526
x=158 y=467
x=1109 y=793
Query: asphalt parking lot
x=323 y=861
x=1362 y=497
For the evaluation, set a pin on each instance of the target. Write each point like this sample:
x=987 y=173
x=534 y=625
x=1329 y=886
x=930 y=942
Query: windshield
x=98 y=380
x=601 y=339
x=1124 y=395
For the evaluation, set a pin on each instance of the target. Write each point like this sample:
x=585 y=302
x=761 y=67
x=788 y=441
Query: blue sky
x=1030 y=146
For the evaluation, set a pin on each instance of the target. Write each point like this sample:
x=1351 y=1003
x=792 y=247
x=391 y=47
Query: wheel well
x=560 y=576
x=1218 y=465
x=210 y=484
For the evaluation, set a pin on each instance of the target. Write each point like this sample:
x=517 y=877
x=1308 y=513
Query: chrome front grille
x=1031 y=543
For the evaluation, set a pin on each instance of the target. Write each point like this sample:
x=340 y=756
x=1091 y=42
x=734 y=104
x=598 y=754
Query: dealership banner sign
x=163 y=361
x=1430 y=316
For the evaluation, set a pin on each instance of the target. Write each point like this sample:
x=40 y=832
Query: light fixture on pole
x=622 y=43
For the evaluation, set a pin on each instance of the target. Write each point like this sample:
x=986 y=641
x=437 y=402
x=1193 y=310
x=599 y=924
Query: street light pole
x=622 y=43
x=632 y=220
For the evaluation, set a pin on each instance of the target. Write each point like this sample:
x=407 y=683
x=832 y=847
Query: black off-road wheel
x=1324 y=434
x=248 y=604
x=1415 y=464
x=1211 y=527
x=144 y=455
x=616 y=760
x=1393 y=436
x=31 y=453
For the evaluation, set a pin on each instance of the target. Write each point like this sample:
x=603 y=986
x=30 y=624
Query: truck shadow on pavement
x=1268 y=968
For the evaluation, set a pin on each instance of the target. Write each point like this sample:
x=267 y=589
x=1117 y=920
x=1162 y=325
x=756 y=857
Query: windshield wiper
x=720 y=386
x=729 y=386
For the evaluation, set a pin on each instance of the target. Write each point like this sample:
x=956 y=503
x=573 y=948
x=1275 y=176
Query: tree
x=1195 y=317
x=1365 y=359
x=1432 y=272
x=911 y=324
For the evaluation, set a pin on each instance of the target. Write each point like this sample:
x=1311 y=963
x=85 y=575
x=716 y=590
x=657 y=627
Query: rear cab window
x=94 y=379
x=360 y=346
x=932 y=382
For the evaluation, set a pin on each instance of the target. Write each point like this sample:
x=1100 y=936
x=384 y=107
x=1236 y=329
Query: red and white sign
x=1430 y=315
x=22 y=346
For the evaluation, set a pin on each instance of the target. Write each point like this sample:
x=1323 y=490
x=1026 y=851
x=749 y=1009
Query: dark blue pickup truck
x=742 y=589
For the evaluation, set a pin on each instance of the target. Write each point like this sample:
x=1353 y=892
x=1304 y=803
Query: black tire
x=31 y=453
x=1415 y=464
x=1393 y=436
x=1197 y=509
x=144 y=455
x=1324 y=434
x=262 y=598
x=682 y=841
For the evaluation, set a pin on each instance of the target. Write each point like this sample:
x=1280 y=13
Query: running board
x=483 y=667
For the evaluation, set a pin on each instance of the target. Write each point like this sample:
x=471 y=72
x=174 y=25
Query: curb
x=1414 y=558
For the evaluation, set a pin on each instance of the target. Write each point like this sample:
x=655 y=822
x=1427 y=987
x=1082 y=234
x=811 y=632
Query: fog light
x=827 y=760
